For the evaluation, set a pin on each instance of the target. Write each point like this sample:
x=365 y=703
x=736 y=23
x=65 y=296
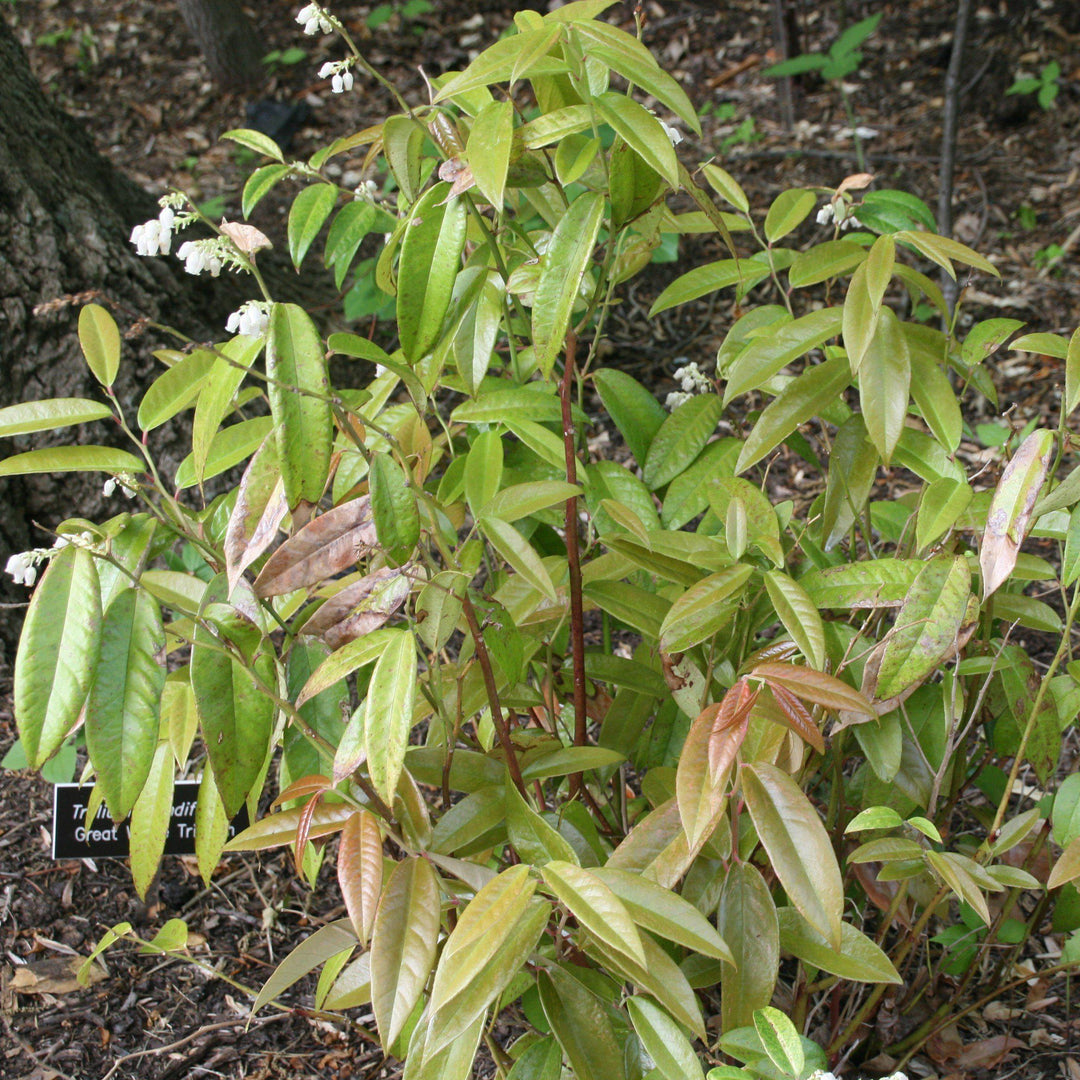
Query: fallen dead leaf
x=988 y=1052
x=56 y=975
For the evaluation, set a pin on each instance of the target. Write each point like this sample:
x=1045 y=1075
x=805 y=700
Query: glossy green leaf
x=99 y=338
x=788 y=211
x=211 y=826
x=393 y=505
x=853 y=463
x=709 y=278
x=307 y=215
x=799 y=615
x=858 y=958
x=563 y=267
x=403 y=944
x=780 y=1040
x=768 y=354
x=635 y=412
x=488 y=149
x=30 y=416
x=926 y=626
x=805 y=396
x=236 y=716
x=347 y=231
x=255 y=140
x=642 y=132
x=57 y=653
x=798 y=846
x=595 y=907
x=726 y=186
x=389 y=712
x=746 y=917
x=664 y=1041
x=859 y=320
x=582 y=1023
x=680 y=438
x=150 y=819
x=259 y=184
x=943 y=502
x=882 y=583
x=955 y=871
x=885 y=383
x=57 y=459
x=429 y=265
x=314 y=951
x=533 y=838
x=704 y=609
x=229 y=447
x=524 y=500
x=125 y=695
x=944 y=251
x=519 y=553
x=824 y=261
x=175 y=389
x=298 y=385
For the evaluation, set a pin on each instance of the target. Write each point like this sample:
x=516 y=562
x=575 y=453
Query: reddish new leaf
x=360 y=871
x=798 y=717
x=814 y=686
x=729 y=724
x=359 y=608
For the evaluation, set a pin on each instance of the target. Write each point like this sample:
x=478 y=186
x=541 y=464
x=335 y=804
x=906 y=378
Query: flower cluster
x=125 y=481
x=693 y=381
x=250 y=319
x=200 y=255
x=22 y=566
x=154 y=237
x=841 y=211
x=314 y=19
x=673 y=133
x=339 y=74
x=368 y=191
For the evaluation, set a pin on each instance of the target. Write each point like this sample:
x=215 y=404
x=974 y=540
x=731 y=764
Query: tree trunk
x=230 y=45
x=65 y=218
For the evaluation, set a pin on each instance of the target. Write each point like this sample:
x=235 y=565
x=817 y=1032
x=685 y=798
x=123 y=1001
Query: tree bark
x=229 y=43
x=65 y=218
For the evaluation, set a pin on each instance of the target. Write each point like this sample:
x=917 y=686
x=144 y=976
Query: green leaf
x=710 y=277
x=57 y=653
x=570 y=759
x=799 y=615
x=488 y=149
x=541 y=1060
x=519 y=553
x=150 y=819
x=429 y=265
x=524 y=500
x=259 y=183
x=635 y=412
x=403 y=944
x=859 y=320
x=623 y=53
x=595 y=907
x=882 y=583
x=350 y=225
x=944 y=252
x=788 y=211
x=582 y=1023
x=255 y=140
x=175 y=389
x=680 y=439
x=229 y=447
x=308 y=214
x=768 y=354
x=666 y=913
x=853 y=463
x=934 y=395
x=99 y=338
x=804 y=397
x=235 y=714
x=315 y=950
x=1072 y=373
x=926 y=626
x=704 y=609
x=533 y=838
x=746 y=917
x=823 y=261
x=123 y=706
x=664 y=1041
x=858 y=958
x=217 y=398
x=30 y=416
x=563 y=267
x=495 y=64
x=513 y=406
x=393 y=505
x=389 y=712
x=780 y=1040
x=726 y=186
x=172 y=937
x=884 y=383
x=642 y=132
x=798 y=846
x=57 y=459
x=298 y=385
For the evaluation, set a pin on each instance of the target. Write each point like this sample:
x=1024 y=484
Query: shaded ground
x=127 y=68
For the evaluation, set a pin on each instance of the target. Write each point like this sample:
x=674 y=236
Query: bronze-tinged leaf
x=360 y=871
x=260 y=508
x=301 y=788
x=729 y=725
x=702 y=775
x=303 y=829
x=815 y=686
x=359 y=608
x=1010 y=510
x=328 y=544
x=798 y=717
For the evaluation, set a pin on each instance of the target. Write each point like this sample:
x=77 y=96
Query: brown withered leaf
x=328 y=544
x=360 y=871
x=260 y=508
x=56 y=975
x=359 y=608
x=1010 y=509
x=882 y=894
x=246 y=237
x=987 y=1053
x=798 y=717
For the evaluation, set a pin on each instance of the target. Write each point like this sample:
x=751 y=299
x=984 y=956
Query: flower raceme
x=250 y=319
x=314 y=20
x=337 y=71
